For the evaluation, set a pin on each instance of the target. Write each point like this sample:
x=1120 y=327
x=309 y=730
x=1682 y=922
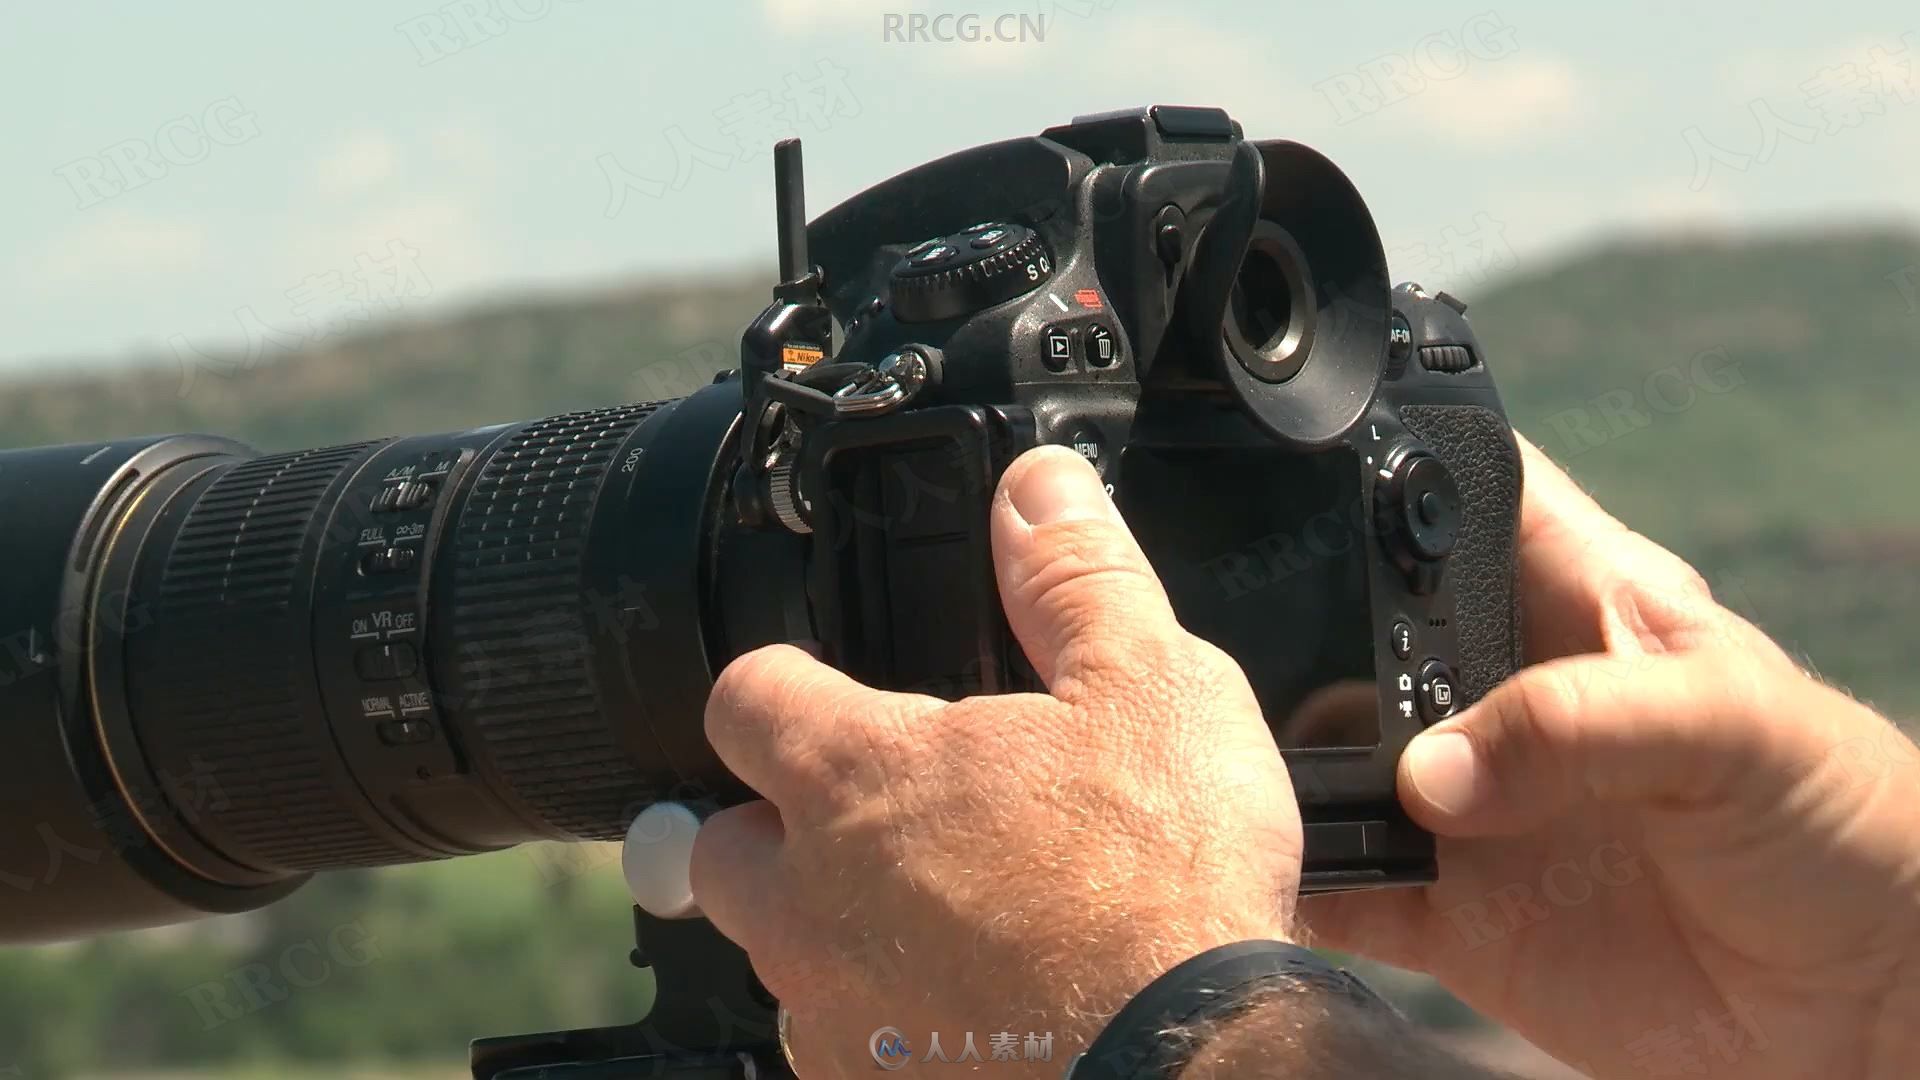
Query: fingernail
x=1058 y=486
x=1445 y=771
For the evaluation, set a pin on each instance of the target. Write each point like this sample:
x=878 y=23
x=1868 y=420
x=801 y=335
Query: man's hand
x=1019 y=863
x=1665 y=850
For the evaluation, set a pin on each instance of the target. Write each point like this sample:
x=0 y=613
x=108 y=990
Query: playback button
x=1056 y=346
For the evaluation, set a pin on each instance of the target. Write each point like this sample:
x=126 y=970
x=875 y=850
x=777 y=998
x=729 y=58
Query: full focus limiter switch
x=1417 y=508
x=398 y=559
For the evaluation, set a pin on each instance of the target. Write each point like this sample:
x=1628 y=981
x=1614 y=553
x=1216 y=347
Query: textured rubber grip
x=517 y=617
x=1477 y=447
x=227 y=707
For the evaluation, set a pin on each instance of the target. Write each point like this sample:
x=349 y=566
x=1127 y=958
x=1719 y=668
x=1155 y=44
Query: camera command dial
x=977 y=267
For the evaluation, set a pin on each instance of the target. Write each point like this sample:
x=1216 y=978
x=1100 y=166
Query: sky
x=208 y=175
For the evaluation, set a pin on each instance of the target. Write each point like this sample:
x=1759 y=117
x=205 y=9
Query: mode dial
x=977 y=267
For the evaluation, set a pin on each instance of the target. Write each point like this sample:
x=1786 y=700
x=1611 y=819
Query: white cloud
x=1499 y=101
x=1660 y=206
x=793 y=15
x=362 y=161
x=1778 y=74
x=453 y=255
x=110 y=241
x=465 y=149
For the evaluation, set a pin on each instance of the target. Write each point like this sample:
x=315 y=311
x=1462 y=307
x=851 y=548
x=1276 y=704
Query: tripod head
x=711 y=1020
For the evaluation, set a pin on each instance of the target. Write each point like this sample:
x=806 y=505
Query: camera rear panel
x=1317 y=464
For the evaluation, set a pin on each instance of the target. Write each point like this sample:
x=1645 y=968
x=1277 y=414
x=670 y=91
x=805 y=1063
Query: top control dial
x=980 y=266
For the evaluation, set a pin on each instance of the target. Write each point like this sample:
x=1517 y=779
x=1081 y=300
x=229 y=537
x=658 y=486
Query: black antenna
x=790 y=205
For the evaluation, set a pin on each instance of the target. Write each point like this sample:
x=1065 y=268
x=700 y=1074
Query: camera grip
x=1478 y=448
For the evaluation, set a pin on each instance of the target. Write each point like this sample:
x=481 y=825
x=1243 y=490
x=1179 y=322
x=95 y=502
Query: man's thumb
x=1077 y=589
x=1667 y=728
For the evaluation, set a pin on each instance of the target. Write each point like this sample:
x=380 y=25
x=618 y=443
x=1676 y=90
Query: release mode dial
x=980 y=266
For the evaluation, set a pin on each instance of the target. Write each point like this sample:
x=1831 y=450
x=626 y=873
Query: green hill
x=507 y=361
x=1774 y=378
x=1748 y=403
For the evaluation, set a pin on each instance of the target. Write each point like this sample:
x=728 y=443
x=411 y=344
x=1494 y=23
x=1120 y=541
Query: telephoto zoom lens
x=225 y=671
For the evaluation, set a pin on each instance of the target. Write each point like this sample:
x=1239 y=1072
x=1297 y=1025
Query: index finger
x=799 y=731
x=1578 y=564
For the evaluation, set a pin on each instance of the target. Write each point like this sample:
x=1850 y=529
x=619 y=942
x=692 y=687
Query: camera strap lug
x=787 y=381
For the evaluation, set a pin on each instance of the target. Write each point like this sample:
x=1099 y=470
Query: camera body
x=1316 y=464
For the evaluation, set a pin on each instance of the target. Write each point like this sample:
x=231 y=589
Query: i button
x=1401 y=637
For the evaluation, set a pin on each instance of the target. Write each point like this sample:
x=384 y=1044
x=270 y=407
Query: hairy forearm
x=1296 y=1032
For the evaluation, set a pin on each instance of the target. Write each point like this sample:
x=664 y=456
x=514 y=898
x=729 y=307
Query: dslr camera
x=425 y=646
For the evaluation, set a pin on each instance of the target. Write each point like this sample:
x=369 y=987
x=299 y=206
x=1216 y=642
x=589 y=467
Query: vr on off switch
x=1315 y=461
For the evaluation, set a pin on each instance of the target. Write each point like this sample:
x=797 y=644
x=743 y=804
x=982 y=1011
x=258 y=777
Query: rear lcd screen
x=1264 y=553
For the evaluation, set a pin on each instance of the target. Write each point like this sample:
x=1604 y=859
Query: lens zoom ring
x=227 y=681
x=517 y=620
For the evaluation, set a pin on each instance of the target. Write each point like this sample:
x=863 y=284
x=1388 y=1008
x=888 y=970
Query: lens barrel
x=227 y=671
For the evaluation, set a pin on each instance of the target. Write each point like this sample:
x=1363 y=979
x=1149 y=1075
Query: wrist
x=1289 y=1024
x=1159 y=1028
x=1148 y=946
x=1257 y=1008
x=1307 y=1032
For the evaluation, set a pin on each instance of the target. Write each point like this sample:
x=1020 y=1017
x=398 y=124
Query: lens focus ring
x=225 y=688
